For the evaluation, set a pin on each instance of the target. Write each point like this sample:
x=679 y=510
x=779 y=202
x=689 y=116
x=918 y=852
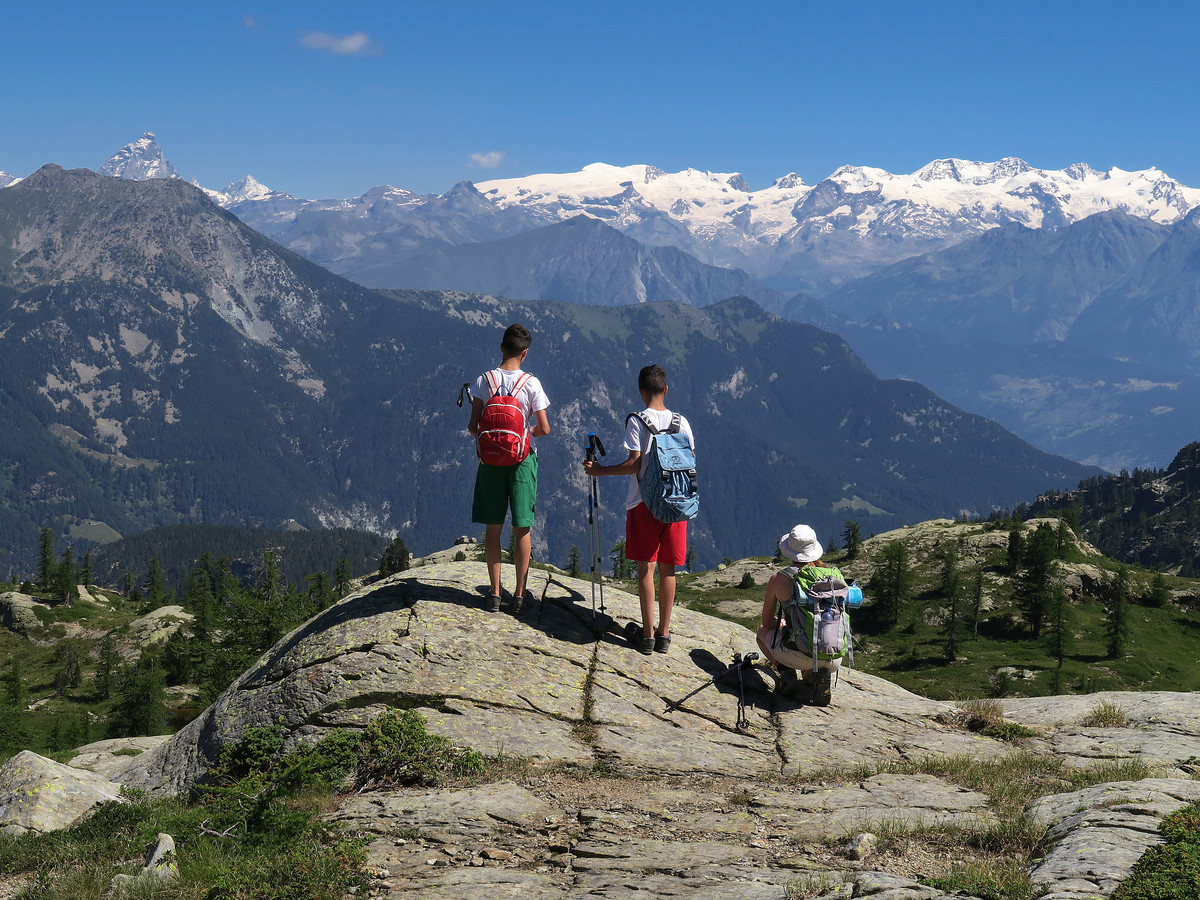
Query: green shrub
x=1169 y=871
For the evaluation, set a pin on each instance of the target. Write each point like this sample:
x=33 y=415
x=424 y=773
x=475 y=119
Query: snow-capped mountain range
x=792 y=236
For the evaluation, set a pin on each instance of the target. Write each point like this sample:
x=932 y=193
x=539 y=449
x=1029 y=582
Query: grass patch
x=1105 y=715
x=254 y=830
x=1000 y=879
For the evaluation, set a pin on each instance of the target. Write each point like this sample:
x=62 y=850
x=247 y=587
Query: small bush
x=1169 y=871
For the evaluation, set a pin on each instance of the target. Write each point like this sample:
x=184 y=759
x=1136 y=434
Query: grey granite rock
x=40 y=795
x=554 y=684
x=16 y=613
x=1097 y=834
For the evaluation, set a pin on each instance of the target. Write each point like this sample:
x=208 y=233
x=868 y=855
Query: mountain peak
x=139 y=161
x=248 y=188
x=6 y=179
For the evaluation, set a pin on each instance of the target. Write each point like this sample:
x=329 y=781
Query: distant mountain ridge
x=790 y=235
x=581 y=260
x=165 y=363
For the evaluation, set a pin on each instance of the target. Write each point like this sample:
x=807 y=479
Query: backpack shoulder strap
x=673 y=428
x=521 y=382
x=493 y=381
x=644 y=419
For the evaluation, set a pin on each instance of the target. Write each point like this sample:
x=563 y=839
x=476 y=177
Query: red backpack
x=503 y=437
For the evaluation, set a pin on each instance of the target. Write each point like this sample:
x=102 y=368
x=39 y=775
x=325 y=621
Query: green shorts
x=499 y=487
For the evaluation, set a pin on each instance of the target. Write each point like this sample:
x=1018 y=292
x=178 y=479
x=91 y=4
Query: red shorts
x=649 y=540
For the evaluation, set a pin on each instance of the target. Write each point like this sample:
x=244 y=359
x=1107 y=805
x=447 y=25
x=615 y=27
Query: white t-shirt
x=638 y=438
x=531 y=396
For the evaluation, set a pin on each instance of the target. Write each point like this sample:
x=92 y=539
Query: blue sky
x=329 y=99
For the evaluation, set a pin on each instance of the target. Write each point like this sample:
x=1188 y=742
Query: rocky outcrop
x=733 y=792
x=38 y=794
x=155 y=627
x=554 y=684
x=16 y=613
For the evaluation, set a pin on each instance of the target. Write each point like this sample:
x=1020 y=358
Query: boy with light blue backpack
x=662 y=497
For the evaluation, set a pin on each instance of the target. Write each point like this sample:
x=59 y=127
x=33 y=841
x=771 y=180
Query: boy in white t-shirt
x=497 y=488
x=648 y=541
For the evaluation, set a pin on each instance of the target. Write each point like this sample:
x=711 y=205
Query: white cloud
x=357 y=44
x=488 y=160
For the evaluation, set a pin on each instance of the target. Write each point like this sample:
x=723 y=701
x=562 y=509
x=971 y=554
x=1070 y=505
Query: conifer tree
x=85 y=574
x=950 y=587
x=342 y=578
x=66 y=588
x=140 y=699
x=1016 y=549
x=573 y=562
x=396 y=558
x=976 y=601
x=1117 y=626
x=1159 y=594
x=851 y=538
x=46 y=565
x=1059 y=632
x=891 y=584
x=156 y=589
x=1035 y=586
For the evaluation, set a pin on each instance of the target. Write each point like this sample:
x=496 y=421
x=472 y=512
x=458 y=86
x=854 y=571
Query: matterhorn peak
x=140 y=160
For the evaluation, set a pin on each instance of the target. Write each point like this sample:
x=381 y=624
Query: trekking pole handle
x=594 y=444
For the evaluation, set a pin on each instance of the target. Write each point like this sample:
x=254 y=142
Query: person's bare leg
x=666 y=598
x=646 y=596
x=491 y=552
x=523 y=550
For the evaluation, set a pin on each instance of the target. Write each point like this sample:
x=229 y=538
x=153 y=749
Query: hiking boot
x=787 y=683
x=662 y=642
x=638 y=640
x=492 y=602
x=519 y=601
x=822 y=690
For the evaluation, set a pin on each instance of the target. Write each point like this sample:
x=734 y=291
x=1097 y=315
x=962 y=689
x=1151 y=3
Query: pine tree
x=1117 y=627
x=66 y=586
x=140 y=699
x=950 y=587
x=1059 y=633
x=85 y=575
x=892 y=582
x=106 y=669
x=342 y=578
x=976 y=602
x=46 y=566
x=573 y=562
x=156 y=589
x=851 y=538
x=1016 y=549
x=396 y=558
x=1159 y=594
x=1035 y=586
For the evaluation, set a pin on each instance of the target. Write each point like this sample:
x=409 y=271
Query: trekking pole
x=739 y=663
x=594 y=444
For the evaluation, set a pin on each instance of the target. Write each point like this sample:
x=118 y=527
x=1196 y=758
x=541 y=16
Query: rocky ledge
x=728 y=794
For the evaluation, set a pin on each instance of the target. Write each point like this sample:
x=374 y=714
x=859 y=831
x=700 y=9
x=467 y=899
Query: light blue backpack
x=668 y=485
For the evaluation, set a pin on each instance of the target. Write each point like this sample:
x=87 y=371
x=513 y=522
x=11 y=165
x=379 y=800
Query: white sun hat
x=801 y=545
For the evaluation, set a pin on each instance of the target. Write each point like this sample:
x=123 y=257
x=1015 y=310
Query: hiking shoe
x=519 y=601
x=637 y=639
x=662 y=642
x=787 y=683
x=822 y=690
x=492 y=602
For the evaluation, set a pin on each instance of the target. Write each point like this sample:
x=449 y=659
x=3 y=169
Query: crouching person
x=805 y=606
